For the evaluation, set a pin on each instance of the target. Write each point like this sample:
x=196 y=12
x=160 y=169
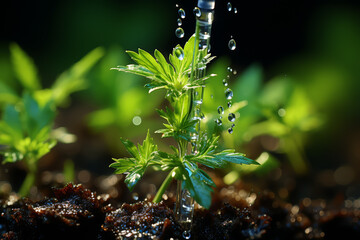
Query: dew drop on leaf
x=229 y=94
x=225 y=82
x=181 y=13
x=229 y=6
x=229 y=104
x=232 y=44
x=197 y=12
x=218 y=122
x=233 y=125
x=220 y=110
x=179 y=22
x=202 y=115
x=179 y=32
x=231 y=117
x=179 y=53
x=230 y=130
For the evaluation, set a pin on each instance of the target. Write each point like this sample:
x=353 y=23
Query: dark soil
x=74 y=212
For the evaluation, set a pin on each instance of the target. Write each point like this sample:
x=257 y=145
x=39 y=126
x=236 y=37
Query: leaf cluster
x=25 y=130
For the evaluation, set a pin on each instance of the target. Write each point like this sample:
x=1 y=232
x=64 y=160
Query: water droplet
x=135 y=196
x=179 y=22
x=282 y=112
x=225 y=82
x=231 y=117
x=229 y=104
x=233 y=125
x=186 y=234
x=229 y=6
x=179 y=53
x=230 y=130
x=179 y=32
x=136 y=120
x=218 y=122
x=197 y=12
x=202 y=115
x=229 y=69
x=220 y=110
x=229 y=93
x=181 y=13
x=232 y=44
x=176 y=5
x=211 y=96
x=235 y=10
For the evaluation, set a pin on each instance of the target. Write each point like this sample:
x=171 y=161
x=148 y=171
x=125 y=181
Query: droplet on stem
x=197 y=12
x=181 y=13
x=179 y=53
x=218 y=122
x=232 y=44
x=231 y=117
x=229 y=94
x=220 y=110
x=225 y=82
x=230 y=130
x=179 y=32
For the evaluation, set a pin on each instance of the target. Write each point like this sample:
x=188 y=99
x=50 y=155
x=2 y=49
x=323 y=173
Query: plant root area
x=73 y=212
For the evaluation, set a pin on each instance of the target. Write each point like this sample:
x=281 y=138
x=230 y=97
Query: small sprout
x=174 y=77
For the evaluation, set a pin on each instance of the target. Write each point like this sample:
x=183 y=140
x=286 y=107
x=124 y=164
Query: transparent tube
x=185 y=203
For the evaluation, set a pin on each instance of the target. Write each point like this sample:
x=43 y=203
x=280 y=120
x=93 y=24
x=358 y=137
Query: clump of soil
x=77 y=213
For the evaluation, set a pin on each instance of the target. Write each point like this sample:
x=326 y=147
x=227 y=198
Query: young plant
x=25 y=133
x=177 y=79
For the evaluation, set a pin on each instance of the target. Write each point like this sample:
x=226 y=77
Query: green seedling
x=178 y=81
x=25 y=133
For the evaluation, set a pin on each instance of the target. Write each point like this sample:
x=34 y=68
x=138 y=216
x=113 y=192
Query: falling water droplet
x=231 y=117
x=179 y=32
x=233 y=125
x=179 y=22
x=176 y=5
x=225 y=82
x=229 y=104
x=235 y=10
x=179 y=53
x=135 y=196
x=181 y=13
x=229 y=69
x=218 y=122
x=230 y=130
x=229 y=94
x=197 y=12
x=229 y=6
x=232 y=44
x=220 y=110
x=186 y=234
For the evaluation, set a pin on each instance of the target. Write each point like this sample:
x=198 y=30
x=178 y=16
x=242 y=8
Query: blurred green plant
x=26 y=132
x=121 y=100
x=178 y=80
x=278 y=108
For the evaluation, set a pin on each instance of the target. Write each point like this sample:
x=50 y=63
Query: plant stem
x=164 y=186
x=27 y=183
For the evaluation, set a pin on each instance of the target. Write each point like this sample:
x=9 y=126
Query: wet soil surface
x=74 y=212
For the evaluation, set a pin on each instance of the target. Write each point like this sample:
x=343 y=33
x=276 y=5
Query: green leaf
x=24 y=67
x=142 y=156
x=74 y=80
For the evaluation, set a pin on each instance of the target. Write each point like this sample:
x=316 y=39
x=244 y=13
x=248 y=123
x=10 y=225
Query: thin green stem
x=27 y=183
x=164 y=186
